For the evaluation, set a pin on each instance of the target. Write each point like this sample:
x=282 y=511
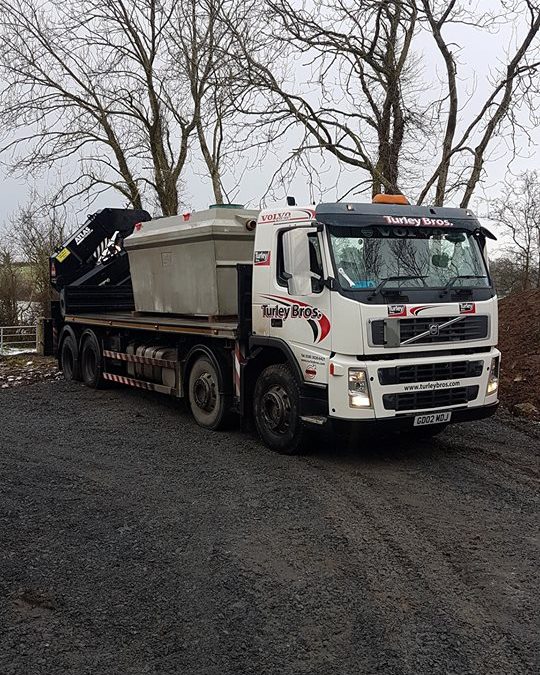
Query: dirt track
x=134 y=542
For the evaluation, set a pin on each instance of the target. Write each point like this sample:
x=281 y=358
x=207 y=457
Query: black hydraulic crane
x=90 y=270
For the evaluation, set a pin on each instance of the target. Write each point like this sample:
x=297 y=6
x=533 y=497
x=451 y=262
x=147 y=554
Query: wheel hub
x=204 y=392
x=276 y=409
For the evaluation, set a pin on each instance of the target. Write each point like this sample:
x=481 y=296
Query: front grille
x=427 y=372
x=468 y=328
x=436 y=398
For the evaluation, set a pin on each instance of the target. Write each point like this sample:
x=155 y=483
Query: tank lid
x=226 y=206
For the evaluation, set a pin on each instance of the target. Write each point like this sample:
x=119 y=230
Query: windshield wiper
x=453 y=280
x=401 y=278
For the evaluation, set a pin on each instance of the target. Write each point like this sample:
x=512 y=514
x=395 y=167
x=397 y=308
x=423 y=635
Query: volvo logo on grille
x=432 y=330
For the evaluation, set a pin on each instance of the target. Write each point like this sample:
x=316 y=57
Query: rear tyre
x=91 y=361
x=209 y=404
x=276 y=409
x=69 y=359
x=62 y=303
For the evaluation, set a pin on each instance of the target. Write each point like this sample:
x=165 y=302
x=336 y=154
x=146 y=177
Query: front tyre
x=277 y=410
x=209 y=405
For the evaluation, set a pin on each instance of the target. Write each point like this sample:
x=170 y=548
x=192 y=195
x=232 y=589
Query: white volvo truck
x=292 y=317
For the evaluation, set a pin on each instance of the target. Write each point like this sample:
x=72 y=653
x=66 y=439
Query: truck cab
x=387 y=310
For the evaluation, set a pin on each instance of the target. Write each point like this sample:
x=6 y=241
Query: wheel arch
x=264 y=352
x=274 y=351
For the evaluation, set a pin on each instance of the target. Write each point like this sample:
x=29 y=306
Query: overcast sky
x=480 y=52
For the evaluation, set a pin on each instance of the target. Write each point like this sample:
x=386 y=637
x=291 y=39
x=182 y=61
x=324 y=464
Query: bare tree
x=510 y=86
x=507 y=274
x=120 y=87
x=518 y=210
x=36 y=231
x=359 y=52
x=129 y=91
x=10 y=283
x=201 y=56
x=364 y=103
x=86 y=78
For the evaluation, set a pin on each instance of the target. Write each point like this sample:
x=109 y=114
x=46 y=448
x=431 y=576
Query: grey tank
x=188 y=266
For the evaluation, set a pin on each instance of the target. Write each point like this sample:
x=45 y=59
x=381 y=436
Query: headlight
x=493 y=379
x=359 y=389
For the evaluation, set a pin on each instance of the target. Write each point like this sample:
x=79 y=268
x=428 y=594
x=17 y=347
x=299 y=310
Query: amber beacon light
x=390 y=199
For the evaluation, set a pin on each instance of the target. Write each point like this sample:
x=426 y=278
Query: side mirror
x=296 y=261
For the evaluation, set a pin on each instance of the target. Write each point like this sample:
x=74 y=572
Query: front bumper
x=406 y=422
x=418 y=392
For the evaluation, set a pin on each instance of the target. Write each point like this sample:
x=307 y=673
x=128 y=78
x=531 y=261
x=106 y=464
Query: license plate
x=432 y=418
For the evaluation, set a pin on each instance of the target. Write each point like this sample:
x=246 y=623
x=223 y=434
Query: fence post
x=40 y=336
x=1 y=339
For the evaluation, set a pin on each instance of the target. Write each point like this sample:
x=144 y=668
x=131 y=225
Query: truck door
x=298 y=306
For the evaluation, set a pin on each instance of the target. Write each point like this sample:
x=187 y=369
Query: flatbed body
x=160 y=323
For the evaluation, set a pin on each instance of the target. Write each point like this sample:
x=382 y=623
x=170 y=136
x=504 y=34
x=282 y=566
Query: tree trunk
x=211 y=163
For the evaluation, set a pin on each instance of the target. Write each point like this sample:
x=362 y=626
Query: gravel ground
x=24 y=369
x=133 y=542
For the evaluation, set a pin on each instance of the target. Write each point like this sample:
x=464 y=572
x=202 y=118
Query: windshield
x=371 y=257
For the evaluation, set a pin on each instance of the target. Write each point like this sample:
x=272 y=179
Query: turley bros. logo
x=286 y=308
x=261 y=258
x=397 y=310
x=418 y=222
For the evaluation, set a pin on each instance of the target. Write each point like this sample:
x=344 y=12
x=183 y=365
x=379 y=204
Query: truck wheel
x=208 y=404
x=91 y=360
x=69 y=359
x=277 y=410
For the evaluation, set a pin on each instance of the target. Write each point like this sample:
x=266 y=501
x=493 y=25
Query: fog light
x=359 y=389
x=493 y=379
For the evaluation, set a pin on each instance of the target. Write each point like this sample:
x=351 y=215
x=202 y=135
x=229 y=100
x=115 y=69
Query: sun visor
x=390 y=216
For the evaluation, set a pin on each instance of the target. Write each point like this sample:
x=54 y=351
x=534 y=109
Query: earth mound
x=519 y=342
